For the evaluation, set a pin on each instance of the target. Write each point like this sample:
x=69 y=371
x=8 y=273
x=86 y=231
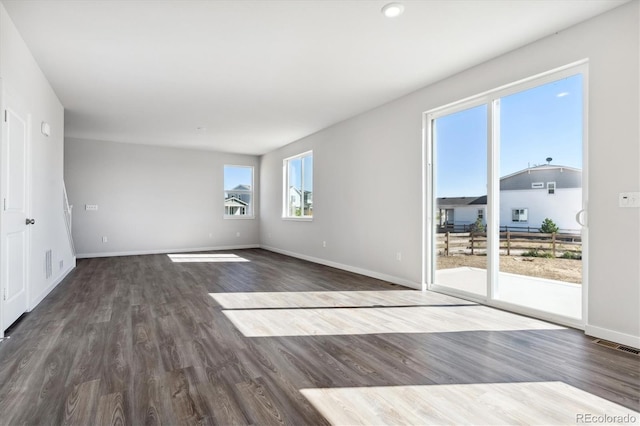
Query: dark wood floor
x=139 y=340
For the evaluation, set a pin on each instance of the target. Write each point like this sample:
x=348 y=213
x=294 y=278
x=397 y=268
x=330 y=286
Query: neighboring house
x=241 y=192
x=235 y=207
x=295 y=202
x=457 y=213
x=237 y=200
x=531 y=195
x=527 y=197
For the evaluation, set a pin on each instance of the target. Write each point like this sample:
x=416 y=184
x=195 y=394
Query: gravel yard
x=566 y=270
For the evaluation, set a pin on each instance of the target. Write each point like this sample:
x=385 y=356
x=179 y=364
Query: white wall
x=560 y=207
x=467 y=215
x=22 y=77
x=151 y=199
x=367 y=182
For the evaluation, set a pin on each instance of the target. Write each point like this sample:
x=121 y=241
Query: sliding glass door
x=505 y=192
x=460 y=188
x=540 y=196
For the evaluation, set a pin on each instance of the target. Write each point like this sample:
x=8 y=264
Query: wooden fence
x=461 y=228
x=510 y=243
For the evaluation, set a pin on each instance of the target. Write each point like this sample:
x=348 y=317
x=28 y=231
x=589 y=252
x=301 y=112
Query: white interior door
x=14 y=235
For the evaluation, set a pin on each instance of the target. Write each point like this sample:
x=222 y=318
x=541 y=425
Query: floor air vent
x=48 y=269
x=617 y=347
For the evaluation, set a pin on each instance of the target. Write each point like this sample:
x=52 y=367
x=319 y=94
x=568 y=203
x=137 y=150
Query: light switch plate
x=629 y=199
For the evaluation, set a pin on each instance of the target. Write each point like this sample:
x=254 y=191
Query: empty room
x=316 y=212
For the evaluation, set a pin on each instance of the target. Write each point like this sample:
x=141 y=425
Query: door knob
x=31 y=221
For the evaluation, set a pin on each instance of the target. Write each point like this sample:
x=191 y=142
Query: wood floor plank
x=112 y=410
x=87 y=364
x=185 y=397
x=147 y=405
x=118 y=349
x=259 y=404
x=146 y=340
x=222 y=401
x=81 y=403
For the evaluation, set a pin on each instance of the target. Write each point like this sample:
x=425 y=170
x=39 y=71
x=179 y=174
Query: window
x=519 y=215
x=238 y=192
x=551 y=188
x=537 y=185
x=298 y=186
x=480 y=214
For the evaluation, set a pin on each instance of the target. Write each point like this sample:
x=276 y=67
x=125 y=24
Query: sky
x=295 y=174
x=238 y=175
x=234 y=176
x=542 y=122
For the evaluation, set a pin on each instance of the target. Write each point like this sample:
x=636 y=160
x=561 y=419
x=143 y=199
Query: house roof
x=300 y=191
x=234 y=202
x=563 y=176
x=461 y=201
x=241 y=188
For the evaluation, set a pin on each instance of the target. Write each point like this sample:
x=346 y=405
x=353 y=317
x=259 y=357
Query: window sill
x=242 y=217
x=298 y=219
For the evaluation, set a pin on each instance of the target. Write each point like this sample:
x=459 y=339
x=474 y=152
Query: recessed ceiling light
x=392 y=10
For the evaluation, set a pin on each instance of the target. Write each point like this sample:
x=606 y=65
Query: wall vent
x=48 y=268
x=617 y=346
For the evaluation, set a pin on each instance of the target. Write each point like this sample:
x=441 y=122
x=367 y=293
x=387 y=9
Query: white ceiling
x=260 y=74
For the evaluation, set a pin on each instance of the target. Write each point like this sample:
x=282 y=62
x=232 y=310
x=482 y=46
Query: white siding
x=466 y=215
x=560 y=207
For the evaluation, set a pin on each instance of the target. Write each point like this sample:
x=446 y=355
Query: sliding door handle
x=581 y=216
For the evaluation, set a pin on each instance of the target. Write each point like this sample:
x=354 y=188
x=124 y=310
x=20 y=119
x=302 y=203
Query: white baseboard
x=384 y=277
x=51 y=286
x=164 y=251
x=613 y=336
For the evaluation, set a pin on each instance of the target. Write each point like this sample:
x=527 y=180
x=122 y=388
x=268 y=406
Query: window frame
x=285 y=186
x=494 y=212
x=551 y=188
x=251 y=193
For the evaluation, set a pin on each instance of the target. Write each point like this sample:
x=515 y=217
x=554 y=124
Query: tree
x=548 y=227
x=478 y=226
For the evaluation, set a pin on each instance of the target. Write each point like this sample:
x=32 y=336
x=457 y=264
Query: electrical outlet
x=398 y=256
x=104 y=239
x=324 y=244
x=629 y=199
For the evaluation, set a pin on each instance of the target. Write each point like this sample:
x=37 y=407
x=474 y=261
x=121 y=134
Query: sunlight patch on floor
x=206 y=257
x=548 y=403
x=322 y=299
x=379 y=320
